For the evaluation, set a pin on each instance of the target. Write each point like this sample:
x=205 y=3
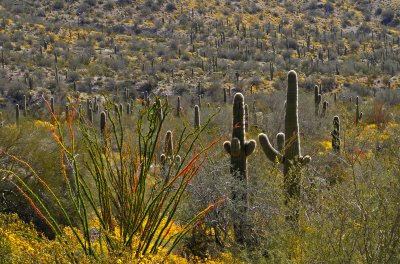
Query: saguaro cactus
x=324 y=108
x=17 y=114
x=52 y=105
x=178 y=107
x=317 y=99
x=25 y=107
x=246 y=118
x=336 y=134
x=102 y=122
x=225 y=95
x=196 y=117
x=358 y=113
x=168 y=158
x=239 y=149
x=289 y=151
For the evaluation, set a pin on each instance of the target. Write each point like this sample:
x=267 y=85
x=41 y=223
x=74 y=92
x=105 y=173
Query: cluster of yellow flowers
x=21 y=243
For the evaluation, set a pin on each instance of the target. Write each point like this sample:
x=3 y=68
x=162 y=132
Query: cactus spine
x=239 y=149
x=358 y=113
x=289 y=151
x=196 y=117
x=336 y=134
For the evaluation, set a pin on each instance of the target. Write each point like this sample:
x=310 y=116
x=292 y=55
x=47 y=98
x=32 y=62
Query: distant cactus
x=167 y=159
x=52 y=105
x=196 y=117
x=271 y=70
x=178 y=107
x=17 y=114
x=289 y=151
x=199 y=101
x=358 y=113
x=324 y=108
x=317 y=99
x=102 y=123
x=239 y=149
x=25 y=107
x=225 y=95
x=336 y=134
x=128 y=109
x=90 y=115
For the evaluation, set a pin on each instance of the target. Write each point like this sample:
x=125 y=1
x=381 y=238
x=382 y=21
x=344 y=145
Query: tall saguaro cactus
x=239 y=149
x=336 y=134
x=289 y=151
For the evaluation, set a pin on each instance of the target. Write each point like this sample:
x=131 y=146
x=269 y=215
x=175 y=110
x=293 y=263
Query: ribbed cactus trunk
x=288 y=149
x=239 y=149
x=292 y=143
x=246 y=118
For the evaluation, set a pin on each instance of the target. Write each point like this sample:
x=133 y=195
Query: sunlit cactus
x=289 y=151
x=239 y=149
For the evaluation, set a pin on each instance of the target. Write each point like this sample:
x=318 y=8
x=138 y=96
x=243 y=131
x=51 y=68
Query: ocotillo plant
x=358 y=113
x=317 y=99
x=290 y=155
x=336 y=134
x=196 y=117
x=239 y=149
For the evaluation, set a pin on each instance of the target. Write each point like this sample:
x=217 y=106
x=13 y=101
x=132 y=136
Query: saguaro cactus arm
x=249 y=147
x=271 y=153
